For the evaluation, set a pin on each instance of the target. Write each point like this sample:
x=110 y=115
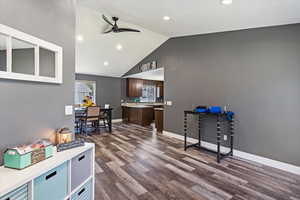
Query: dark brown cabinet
x=138 y=115
x=159 y=119
x=134 y=87
x=160 y=86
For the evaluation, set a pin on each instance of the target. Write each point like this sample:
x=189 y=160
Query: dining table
x=80 y=112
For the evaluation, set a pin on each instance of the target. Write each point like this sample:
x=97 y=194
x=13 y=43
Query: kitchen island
x=137 y=113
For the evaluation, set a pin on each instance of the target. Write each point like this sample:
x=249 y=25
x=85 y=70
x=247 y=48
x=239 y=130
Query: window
x=84 y=88
x=24 y=57
x=3 y=49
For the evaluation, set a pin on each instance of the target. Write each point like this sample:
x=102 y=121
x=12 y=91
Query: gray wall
x=33 y=110
x=256 y=72
x=108 y=91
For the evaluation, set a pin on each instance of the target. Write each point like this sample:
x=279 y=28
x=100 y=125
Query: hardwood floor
x=133 y=163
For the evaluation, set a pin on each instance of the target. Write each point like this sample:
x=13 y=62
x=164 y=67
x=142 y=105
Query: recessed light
x=119 y=47
x=79 y=38
x=226 y=2
x=167 y=18
x=106 y=63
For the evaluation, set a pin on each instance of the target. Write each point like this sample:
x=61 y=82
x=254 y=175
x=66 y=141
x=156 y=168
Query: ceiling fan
x=115 y=28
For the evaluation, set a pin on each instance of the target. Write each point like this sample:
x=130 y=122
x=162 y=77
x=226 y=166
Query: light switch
x=69 y=110
x=169 y=103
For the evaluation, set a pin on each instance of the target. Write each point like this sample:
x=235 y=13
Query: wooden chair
x=104 y=119
x=91 y=117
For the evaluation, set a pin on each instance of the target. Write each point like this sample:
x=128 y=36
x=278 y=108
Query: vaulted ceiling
x=187 y=18
x=97 y=53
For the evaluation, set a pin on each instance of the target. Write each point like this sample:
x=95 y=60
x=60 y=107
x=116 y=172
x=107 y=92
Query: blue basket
x=201 y=110
x=215 y=109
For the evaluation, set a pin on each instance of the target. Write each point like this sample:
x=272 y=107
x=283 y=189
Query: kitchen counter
x=137 y=106
x=141 y=105
x=138 y=114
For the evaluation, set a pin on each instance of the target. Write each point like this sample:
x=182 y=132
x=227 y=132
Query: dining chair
x=92 y=118
x=104 y=119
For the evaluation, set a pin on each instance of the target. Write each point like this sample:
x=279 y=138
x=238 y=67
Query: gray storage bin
x=81 y=168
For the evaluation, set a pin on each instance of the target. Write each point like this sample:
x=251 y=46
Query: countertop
x=141 y=105
x=159 y=109
x=137 y=106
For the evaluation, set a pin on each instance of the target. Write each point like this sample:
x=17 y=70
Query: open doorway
x=144 y=102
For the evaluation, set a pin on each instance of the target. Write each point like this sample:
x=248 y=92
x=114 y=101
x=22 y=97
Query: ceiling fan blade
x=111 y=30
x=127 y=30
x=107 y=21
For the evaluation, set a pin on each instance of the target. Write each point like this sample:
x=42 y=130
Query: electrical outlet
x=225 y=138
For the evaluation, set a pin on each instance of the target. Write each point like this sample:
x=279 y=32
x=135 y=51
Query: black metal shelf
x=219 y=116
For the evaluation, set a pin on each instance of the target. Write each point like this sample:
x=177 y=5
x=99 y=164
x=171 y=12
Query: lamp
x=63 y=135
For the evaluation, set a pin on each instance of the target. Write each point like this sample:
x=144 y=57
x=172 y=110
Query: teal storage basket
x=52 y=185
x=13 y=159
x=20 y=193
x=84 y=192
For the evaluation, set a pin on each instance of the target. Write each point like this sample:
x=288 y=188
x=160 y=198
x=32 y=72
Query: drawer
x=52 y=185
x=83 y=193
x=19 y=194
x=81 y=168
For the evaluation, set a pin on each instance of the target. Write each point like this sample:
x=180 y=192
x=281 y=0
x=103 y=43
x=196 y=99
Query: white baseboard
x=251 y=157
x=116 y=120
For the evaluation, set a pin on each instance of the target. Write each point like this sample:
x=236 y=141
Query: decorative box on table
x=24 y=156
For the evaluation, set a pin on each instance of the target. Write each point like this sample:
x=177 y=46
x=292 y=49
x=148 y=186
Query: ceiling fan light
x=166 y=18
x=226 y=2
x=106 y=63
x=79 y=38
x=119 y=47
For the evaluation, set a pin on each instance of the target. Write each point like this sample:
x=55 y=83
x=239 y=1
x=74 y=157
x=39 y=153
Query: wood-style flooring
x=133 y=163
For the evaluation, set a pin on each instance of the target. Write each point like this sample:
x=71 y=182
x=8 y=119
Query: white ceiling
x=157 y=75
x=200 y=16
x=187 y=18
x=96 y=48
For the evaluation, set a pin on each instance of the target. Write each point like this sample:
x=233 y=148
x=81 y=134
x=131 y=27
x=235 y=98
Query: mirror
x=3 y=53
x=47 y=62
x=22 y=57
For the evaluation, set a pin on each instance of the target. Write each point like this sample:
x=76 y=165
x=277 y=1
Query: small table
x=219 y=116
x=81 y=111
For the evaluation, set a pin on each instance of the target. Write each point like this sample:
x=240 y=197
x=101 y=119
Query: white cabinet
x=54 y=174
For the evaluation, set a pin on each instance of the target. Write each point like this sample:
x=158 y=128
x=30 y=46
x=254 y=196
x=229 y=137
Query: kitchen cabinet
x=134 y=87
x=141 y=115
x=160 y=89
x=159 y=119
